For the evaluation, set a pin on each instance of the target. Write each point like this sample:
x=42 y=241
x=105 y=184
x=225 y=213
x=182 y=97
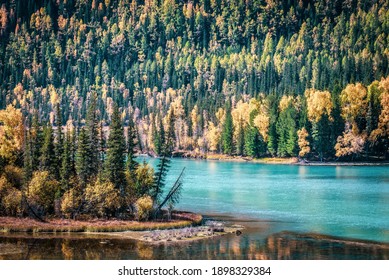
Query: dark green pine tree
x=27 y=157
x=47 y=156
x=59 y=143
x=159 y=135
x=286 y=131
x=131 y=144
x=91 y=130
x=81 y=161
x=102 y=147
x=240 y=140
x=66 y=165
x=36 y=137
x=252 y=142
x=272 y=144
x=170 y=139
x=227 y=134
x=116 y=153
x=321 y=137
x=164 y=161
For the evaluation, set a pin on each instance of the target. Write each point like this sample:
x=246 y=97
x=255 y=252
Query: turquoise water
x=342 y=201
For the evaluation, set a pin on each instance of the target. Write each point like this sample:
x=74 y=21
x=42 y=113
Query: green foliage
x=82 y=156
x=48 y=160
x=159 y=136
x=116 y=152
x=227 y=134
x=131 y=144
x=286 y=131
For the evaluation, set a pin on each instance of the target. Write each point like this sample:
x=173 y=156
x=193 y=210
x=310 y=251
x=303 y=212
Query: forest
x=87 y=85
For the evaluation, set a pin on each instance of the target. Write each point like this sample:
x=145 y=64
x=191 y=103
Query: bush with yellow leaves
x=10 y=198
x=41 y=192
x=71 y=201
x=102 y=199
x=144 y=205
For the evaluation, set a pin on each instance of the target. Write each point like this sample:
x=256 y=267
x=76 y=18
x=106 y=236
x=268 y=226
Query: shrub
x=102 y=198
x=10 y=198
x=12 y=202
x=71 y=201
x=41 y=192
x=144 y=205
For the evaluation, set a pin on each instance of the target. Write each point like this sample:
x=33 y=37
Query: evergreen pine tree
x=59 y=142
x=131 y=144
x=159 y=138
x=66 y=171
x=91 y=130
x=116 y=152
x=81 y=160
x=240 y=140
x=36 y=137
x=170 y=135
x=47 y=156
x=252 y=142
x=227 y=134
x=27 y=166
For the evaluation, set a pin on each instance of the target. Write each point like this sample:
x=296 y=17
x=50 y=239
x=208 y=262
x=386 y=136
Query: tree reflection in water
x=284 y=245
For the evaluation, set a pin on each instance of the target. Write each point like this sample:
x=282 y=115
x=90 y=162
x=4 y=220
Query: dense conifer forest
x=86 y=85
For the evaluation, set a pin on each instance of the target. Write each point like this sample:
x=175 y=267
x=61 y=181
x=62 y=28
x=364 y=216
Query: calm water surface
x=286 y=210
x=344 y=201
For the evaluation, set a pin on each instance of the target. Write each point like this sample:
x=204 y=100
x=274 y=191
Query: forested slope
x=257 y=78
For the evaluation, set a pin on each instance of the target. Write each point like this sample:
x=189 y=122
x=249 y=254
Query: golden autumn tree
x=354 y=105
x=382 y=131
x=303 y=142
x=240 y=118
x=11 y=133
x=213 y=136
x=262 y=119
x=353 y=100
x=319 y=103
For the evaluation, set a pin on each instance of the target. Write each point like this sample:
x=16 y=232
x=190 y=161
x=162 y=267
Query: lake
x=289 y=211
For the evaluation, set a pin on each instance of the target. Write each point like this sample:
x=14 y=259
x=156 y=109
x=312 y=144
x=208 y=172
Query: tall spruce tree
x=159 y=136
x=59 y=143
x=66 y=168
x=82 y=156
x=131 y=144
x=47 y=156
x=36 y=137
x=227 y=134
x=116 y=153
x=27 y=157
x=91 y=130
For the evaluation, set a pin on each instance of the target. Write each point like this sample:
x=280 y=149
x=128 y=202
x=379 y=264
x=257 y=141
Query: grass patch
x=179 y=220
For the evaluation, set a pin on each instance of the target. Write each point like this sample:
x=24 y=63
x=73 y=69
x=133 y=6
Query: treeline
x=71 y=172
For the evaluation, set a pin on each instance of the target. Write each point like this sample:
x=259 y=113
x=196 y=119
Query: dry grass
x=180 y=219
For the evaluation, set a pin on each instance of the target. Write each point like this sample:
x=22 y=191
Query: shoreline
x=275 y=160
